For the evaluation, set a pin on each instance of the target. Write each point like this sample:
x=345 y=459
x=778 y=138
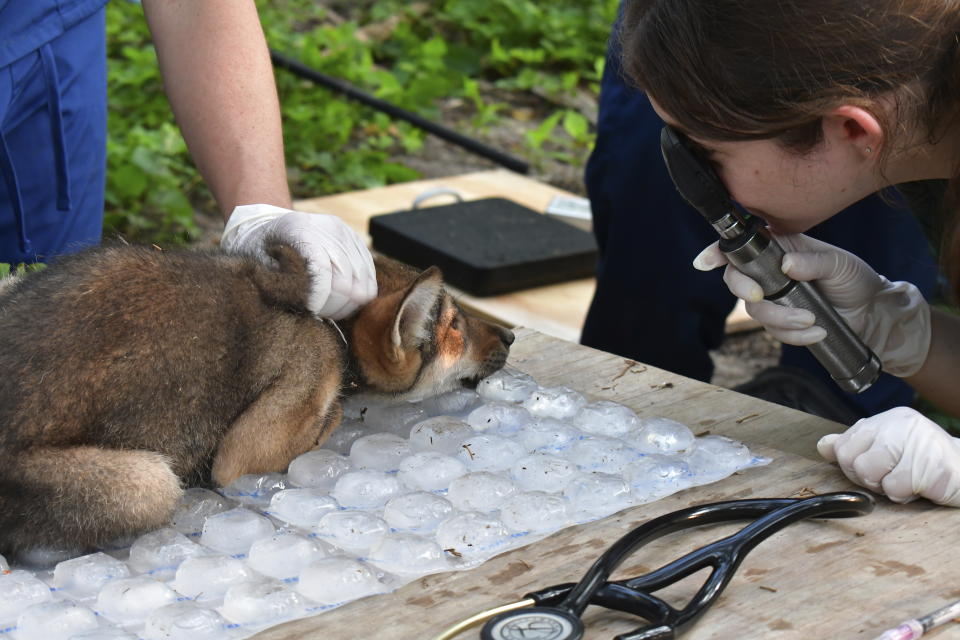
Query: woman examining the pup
x=805 y=108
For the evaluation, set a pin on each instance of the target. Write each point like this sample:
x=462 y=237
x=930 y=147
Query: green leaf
x=538 y=136
x=575 y=125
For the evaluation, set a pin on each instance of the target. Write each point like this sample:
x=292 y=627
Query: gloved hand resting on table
x=338 y=259
x=892 y=318
x=899 y=453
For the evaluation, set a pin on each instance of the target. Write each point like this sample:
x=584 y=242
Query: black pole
x=336 y=84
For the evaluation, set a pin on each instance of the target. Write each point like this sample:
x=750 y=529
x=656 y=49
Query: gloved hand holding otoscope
x=899 y=452
x=746 y=244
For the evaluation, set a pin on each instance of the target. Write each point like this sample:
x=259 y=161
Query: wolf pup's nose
x=506 y=335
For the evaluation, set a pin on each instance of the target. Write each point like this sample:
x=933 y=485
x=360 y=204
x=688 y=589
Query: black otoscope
x=747 y=244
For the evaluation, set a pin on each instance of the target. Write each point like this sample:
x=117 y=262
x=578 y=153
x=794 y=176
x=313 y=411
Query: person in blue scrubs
x=219 y=80
x=53 y=110
x=652 y=305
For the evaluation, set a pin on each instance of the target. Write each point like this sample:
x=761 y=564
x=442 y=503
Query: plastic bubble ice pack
x=398 y=492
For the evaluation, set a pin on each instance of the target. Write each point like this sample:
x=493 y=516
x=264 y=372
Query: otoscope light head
x=694 y=178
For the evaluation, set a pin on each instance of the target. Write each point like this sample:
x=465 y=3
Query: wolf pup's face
x=414 y=341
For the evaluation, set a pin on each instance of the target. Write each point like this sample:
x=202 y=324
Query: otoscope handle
x=851 y=363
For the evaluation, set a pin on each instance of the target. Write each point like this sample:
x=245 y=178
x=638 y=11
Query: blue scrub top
x=27 y=25
x=53 y=118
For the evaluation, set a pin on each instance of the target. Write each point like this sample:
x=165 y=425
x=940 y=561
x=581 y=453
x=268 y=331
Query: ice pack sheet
x=398 y=492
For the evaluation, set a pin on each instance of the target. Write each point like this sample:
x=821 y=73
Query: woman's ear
x=854 y=127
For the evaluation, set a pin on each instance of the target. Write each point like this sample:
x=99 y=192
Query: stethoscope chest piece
x=533 y=623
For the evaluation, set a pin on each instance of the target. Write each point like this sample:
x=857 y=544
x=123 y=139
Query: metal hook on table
x=555 y=612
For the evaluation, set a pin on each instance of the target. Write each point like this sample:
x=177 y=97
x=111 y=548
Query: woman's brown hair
x=768 y=69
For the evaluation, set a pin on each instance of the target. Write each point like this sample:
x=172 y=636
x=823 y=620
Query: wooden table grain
x=848 y=578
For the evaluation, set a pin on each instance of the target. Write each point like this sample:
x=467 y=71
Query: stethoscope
x=554 y=613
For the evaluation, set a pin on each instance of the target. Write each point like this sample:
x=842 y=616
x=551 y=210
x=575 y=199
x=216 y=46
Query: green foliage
x=150 y=178
x=413 y=54
x=7 y=269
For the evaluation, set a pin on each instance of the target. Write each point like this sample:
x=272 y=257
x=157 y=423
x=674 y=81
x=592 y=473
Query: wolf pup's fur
x=127 y=373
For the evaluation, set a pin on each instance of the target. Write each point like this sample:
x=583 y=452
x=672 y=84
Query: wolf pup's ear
x=413 y=323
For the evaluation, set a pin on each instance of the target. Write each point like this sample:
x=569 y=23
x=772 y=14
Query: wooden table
x=816 y=579
x=558 y=310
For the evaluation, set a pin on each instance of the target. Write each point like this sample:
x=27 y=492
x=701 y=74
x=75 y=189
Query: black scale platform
x=487 y=247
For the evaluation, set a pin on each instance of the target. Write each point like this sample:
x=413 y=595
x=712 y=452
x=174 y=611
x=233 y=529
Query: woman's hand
x=892 y=318
x=899 y=453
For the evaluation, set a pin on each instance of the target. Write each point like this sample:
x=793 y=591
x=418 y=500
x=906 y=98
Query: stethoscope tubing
x=725 y=555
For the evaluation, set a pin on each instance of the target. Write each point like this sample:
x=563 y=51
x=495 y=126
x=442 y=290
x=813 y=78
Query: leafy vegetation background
x=497 y=60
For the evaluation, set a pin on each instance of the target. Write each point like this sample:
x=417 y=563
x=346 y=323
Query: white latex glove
x=899 y=453
x=891 y=318
x=339 y=262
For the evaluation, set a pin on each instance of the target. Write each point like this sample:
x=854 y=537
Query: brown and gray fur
x=129 y=373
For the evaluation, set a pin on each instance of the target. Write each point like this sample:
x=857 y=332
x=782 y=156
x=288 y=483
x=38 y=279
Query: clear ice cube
x=41 y=558
x=342 y=438
x=715 y=457
x=656 y=475
x=442 y=434
x=365 y=489
x=160 y=552
x=234 y=531
x=262 y=602
x=392 y=418
x=56 y=620
x=104 y=633
x=555 y=402
x=407 y=553
x=430 y=471
x=131 y=600
x=606 y=418
x=451 y=403
x=543 y=472
x=337 y=579
x=486 y=452
x=507 y=385
x=301 y=507
x=417 y=511
x=284 y=555
x=595 y=495
x=499 y=418
x=255 y=490
x=480 y=491
x=597 y=453
x=549 y=435
x=84 y=576
x=356 y=406
x=661 y=435
x=19 y=590
x=195 y=507
x=318 y=469
x=379 y=451
x=472 y=534
x=209 y=577
x=184 y=620
x=356 y=531
x=534 y=511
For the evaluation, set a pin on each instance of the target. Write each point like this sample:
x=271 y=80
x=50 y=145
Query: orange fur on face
x=450 y=341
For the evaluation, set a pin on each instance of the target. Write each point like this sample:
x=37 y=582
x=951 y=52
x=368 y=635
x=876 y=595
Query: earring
x=868 y=150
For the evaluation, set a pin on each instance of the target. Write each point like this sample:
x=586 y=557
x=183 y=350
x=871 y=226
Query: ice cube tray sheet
x=398 y=492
